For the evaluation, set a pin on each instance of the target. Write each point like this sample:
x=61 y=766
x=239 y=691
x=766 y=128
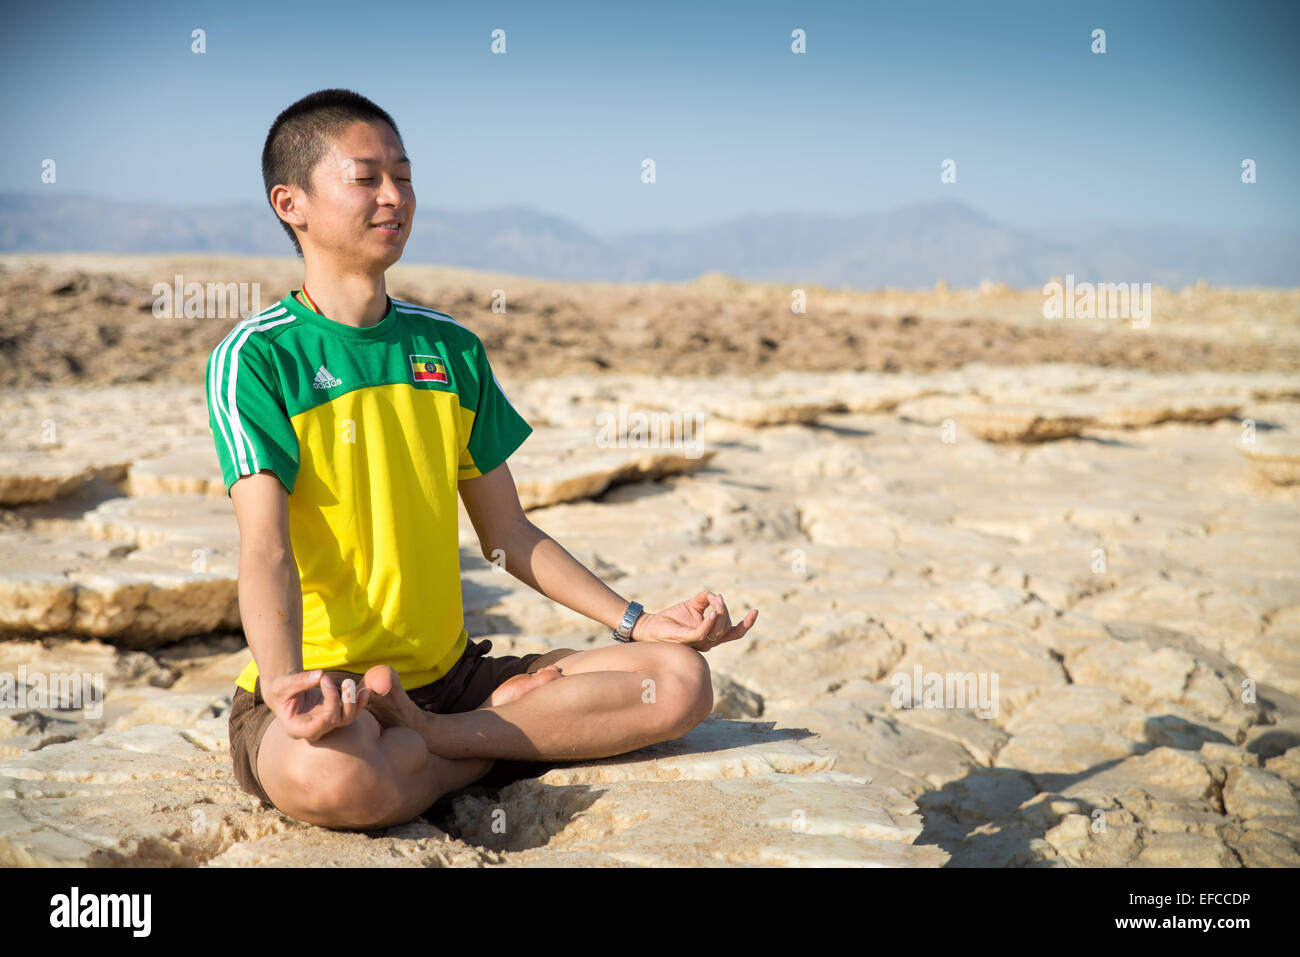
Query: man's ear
x=288 y=203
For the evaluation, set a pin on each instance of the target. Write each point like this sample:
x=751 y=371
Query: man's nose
x=390 y=193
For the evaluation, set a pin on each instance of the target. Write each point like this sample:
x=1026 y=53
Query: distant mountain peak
x=911 y=246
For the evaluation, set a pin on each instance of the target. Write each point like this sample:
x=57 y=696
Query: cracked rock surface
x=1119 y=549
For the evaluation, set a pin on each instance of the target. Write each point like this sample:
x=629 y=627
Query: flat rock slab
x=1276 y=458
x=1140 y=410
x=1026 y=417
x=1019 y=423
x=564 y=465
x=822 y=820
x=35 y=476
x=201 y=519
x=189 y=467
x=754 y=402
x=726 y=793
x=54 y=584
x=54 y=440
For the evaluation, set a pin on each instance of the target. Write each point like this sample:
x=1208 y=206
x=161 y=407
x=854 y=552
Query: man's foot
x=519 y=685
x=393 y=707
x=389 y=702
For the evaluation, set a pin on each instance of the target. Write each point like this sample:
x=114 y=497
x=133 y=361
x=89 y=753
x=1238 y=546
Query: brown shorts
x=469 y=683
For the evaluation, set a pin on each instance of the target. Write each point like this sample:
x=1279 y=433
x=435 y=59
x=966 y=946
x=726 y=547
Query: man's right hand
x=310 y=704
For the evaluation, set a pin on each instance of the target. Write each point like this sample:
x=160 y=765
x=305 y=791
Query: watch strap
x=624 y=630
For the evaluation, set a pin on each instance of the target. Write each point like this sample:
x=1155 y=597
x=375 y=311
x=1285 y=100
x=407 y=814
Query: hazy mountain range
x=910 y=247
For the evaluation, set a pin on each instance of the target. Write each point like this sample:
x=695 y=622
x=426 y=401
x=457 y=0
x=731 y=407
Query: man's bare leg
x=608 y=701
x=363 y=775
x=399 y=711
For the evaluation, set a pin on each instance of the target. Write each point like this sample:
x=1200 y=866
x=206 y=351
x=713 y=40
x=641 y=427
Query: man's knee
x=686 y=686
x=343 y=779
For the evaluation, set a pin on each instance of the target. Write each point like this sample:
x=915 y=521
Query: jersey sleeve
x=246 y=413
x=498 y=429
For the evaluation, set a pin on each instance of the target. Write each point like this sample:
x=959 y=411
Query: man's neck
x=353 y=299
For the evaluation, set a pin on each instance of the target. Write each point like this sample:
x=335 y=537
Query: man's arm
x=270 y=604
x=700 y=622
x=531 y=555
x=270 y=595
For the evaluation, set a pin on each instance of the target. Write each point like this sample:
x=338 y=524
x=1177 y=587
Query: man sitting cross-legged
x=346 y=424
x=387 y=759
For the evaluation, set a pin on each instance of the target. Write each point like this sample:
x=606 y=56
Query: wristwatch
x=624 y=630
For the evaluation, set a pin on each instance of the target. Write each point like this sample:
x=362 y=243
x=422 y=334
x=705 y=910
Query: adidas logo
x=325 y=379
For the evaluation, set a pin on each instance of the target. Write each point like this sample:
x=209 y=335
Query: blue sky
x=1044 y=132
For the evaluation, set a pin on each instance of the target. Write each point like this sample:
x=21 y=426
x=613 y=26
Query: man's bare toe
x=381 y=679
x=389 y=702
x=519 y=685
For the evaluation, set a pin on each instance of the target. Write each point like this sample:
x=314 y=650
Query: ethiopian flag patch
x=428 y=369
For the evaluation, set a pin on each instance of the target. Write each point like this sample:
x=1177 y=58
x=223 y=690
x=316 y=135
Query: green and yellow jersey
x=369 y=430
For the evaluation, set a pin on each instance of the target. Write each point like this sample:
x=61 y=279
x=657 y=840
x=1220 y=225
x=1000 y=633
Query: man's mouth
x=393 y=228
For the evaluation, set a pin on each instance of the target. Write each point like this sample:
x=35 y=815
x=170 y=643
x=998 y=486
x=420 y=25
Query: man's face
x=363 y=180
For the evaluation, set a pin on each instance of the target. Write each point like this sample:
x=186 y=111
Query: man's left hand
x=702 y=623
